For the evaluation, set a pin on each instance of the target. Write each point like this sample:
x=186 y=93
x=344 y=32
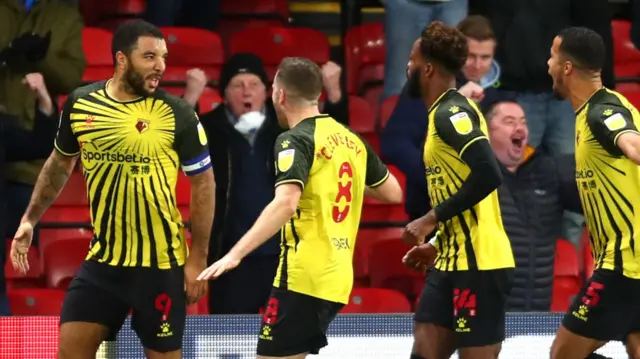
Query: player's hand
x=218 y=268
x=416 y=231
x=20 y=247
x=194 y=288
x=421 y=257
x=473 y=91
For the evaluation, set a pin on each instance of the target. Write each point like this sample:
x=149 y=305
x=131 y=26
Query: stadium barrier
x=529 y=336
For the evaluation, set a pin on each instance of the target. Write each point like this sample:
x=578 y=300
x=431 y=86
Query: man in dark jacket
x=242 y=134
x=405 y=132
x=17 y=144
x=535 y=191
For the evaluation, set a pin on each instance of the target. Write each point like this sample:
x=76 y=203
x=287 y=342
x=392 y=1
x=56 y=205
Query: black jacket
x=218 y=129
x=532 y=201
x=525 y=29
x=18 y=144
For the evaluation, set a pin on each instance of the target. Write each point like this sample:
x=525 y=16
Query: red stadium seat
x=200 y=308
x=192 y=48
x=274 y=43
x=364 y=55
x=634 y=98
x=33 y=277
x=183 y=190
x=362 y=121
x=62 y=259
x=387 y=271
x=566 y=282
x=35 y=301
x=374 y=210
x=366 y=238
x=587 y=256
x=376 y=300
x=128 y=7
x=72 y=203
x=96 y=45
x=255 y=8
x=49 y=235
x=626 y=56
x=209 y=100
x=386 y=109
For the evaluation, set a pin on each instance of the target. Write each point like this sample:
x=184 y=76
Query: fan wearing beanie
x=242 y=133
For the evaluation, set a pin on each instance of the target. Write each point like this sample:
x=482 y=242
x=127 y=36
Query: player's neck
x=438 y=87
x=583 y=91
x=296 y=115
x=117 y=89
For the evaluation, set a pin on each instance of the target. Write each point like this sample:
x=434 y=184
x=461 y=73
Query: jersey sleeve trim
x=470 y=142
x=615 y=139
x=66 y=154
x=197 y=165
x=290 y=181
x=382 y=180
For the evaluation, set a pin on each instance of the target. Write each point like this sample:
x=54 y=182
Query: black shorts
x=295 y=323
x=606 y=308
x=471 y=303
x=104 y=294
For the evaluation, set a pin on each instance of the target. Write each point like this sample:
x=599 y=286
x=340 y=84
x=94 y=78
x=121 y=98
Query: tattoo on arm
x=52 y=178
x=203 y=203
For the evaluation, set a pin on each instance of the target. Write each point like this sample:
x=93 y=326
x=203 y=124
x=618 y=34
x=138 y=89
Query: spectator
x=525 y=30
x=404 y=20
x=535 y=191
x=37 y=37
x=405 y=132
x=21 y=145
x=242 y=134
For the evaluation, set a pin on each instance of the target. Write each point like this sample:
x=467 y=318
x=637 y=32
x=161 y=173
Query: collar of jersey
x=587 y=101
x=433 y=105
x=106 y=94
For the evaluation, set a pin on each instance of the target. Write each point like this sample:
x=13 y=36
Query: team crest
x=285 y=159
x=615 y=122
x=142 y=125
x=462 y=123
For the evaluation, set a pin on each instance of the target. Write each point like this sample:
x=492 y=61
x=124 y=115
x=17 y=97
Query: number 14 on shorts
x=464 y=299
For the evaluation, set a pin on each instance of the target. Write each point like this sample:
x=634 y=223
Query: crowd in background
x=531 y=132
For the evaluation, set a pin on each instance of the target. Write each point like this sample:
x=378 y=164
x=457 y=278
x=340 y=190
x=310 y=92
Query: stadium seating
x=389 y=272
x=626 y=55
x=96 y=45
x=587 y=256
x=62 y=259
x=362 y=121
x=208 y=101
x=274 y=43
x=376 y=211
x=364 y=60
x=72 y=204
x=33 y=277
x=376 y=300
x=192 y=48
x=35 y=301
x=366 y=238
x=566 y=282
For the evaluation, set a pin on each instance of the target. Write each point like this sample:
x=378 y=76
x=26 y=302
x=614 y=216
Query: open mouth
x=247 y=106
x=517 y=142
x=154 y=80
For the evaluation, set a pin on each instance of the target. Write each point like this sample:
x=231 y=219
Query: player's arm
x=191 y=145
x=294 y=158
x=56 y=170
x=614 y=128
x=381 y=184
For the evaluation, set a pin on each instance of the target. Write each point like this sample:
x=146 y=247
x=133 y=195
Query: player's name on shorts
x=336 y=140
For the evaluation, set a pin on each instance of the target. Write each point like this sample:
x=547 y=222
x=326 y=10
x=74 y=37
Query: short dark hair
x=476 y=27
x=584 y=47
x=492 y=108
x=300 y=78
x=126 y=36
x=445 y=45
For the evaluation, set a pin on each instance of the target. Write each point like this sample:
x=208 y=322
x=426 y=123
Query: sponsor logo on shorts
x=265 y=333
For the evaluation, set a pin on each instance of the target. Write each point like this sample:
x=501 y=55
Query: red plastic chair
x=35 y=301
x=31 y=279
x=366 y=238
x=127 y=8
x=376 y=300
x=72 y=204
x=96 y=45
x=566 y=282
x=587 y=256
x=192 y=48
x=209 y=100
x=364 y=55
x=387 y=271
x=375 y=211
x=626 y=56
x=50 y=235
x=62 y=259
x=272 y=44
x=386 y=109
x=255 y=8
x=362 y=121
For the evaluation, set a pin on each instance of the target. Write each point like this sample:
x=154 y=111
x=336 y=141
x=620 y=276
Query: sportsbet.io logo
x=91 y=157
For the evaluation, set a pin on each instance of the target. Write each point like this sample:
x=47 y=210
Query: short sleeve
x=66 y=142
x=294 y=158
x=458 y=128
x=377 y=171
x=607 y=123
x=191 y=145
